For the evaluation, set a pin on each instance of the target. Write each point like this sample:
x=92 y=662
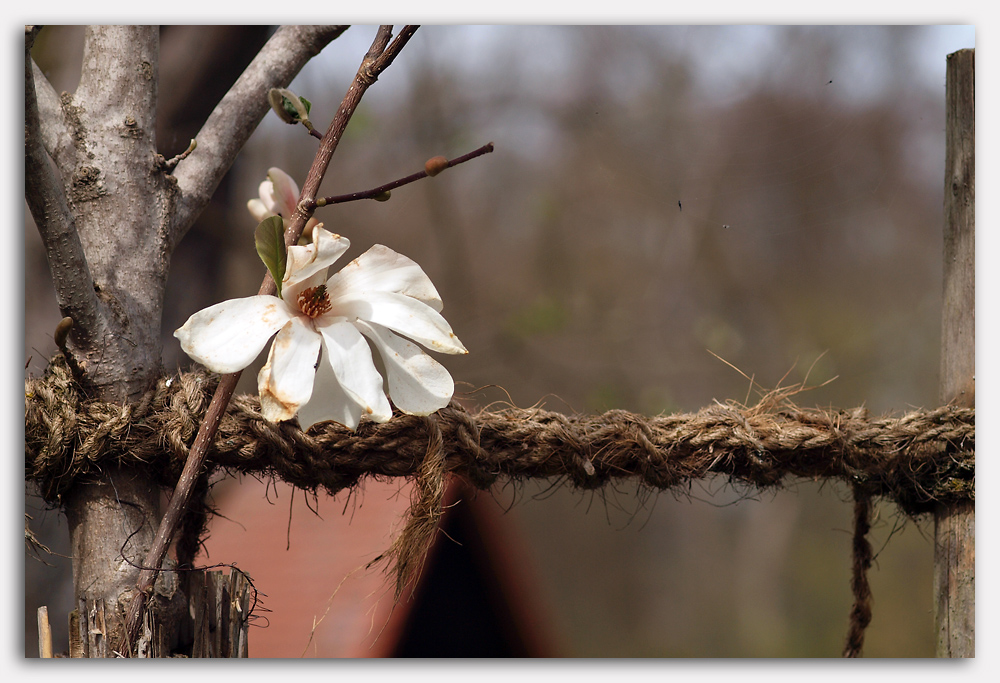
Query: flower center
x=314 y=301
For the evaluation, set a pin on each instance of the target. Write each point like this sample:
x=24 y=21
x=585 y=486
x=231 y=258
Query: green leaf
x=270 y=240
x=290 y=108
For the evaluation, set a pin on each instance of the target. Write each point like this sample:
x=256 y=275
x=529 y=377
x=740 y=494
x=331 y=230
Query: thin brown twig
x=413 y=177
x=383 y=60
x=375 y=61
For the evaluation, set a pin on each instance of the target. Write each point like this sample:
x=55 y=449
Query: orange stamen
x=314 y=301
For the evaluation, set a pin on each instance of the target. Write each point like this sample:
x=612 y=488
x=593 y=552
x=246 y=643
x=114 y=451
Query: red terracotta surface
x=300 y=566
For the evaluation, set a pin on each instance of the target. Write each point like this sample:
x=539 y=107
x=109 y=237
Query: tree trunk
x=110 y=211
x=120 y=199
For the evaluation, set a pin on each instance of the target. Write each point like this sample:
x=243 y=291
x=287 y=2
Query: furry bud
x=277 y=102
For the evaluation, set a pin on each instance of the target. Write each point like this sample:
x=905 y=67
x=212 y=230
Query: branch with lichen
x=47 y=202
x=238 y=114
x=56 y=134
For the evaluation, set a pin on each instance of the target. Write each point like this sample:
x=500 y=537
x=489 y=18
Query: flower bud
x=383 y=196
x=289 y=107
x=277 y=102
x=62 y=331
x=435 y=165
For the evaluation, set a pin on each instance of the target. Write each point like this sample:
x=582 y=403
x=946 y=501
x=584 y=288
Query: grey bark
x=110 y=214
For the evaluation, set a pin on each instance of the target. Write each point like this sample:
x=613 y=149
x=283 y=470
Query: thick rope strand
x=861 y=612
x=917 y=460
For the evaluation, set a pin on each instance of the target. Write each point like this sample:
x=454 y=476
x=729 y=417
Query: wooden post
x=955 y=525
x=219 y=608
x=44 y=634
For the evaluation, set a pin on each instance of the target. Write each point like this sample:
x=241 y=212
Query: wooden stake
x=220 y=606
x=44 y=634
x=954 y=525
x=75 y=640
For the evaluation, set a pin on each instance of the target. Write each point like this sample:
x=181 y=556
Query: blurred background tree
x=659 y=196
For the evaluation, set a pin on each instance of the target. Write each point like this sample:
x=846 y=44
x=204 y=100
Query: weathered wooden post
x=955 y=525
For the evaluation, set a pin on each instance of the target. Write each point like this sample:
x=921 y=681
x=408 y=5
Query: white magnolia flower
x=279 y=196
x=379 y=295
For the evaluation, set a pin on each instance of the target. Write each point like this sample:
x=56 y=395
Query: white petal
x=418 y=384
x=285 y=192
x=286 y=381
x=227 y=337
x=305 y=261
x=329 y=401
x=258 y=210
x=266 y=192
x=380 y=269
x=349 y=355
x=402 y=314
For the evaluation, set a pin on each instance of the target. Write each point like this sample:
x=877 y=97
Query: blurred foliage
x=541 y=316
x=771 y=195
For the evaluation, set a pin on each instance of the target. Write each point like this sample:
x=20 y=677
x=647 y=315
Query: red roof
x=477 y=598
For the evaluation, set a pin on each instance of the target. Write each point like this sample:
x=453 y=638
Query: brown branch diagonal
x=412 y=178
x=377 y=59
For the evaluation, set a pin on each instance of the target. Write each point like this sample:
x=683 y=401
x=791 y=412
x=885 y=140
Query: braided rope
x=919 y=459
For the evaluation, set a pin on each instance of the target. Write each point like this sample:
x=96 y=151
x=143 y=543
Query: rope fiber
x=917 y=460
